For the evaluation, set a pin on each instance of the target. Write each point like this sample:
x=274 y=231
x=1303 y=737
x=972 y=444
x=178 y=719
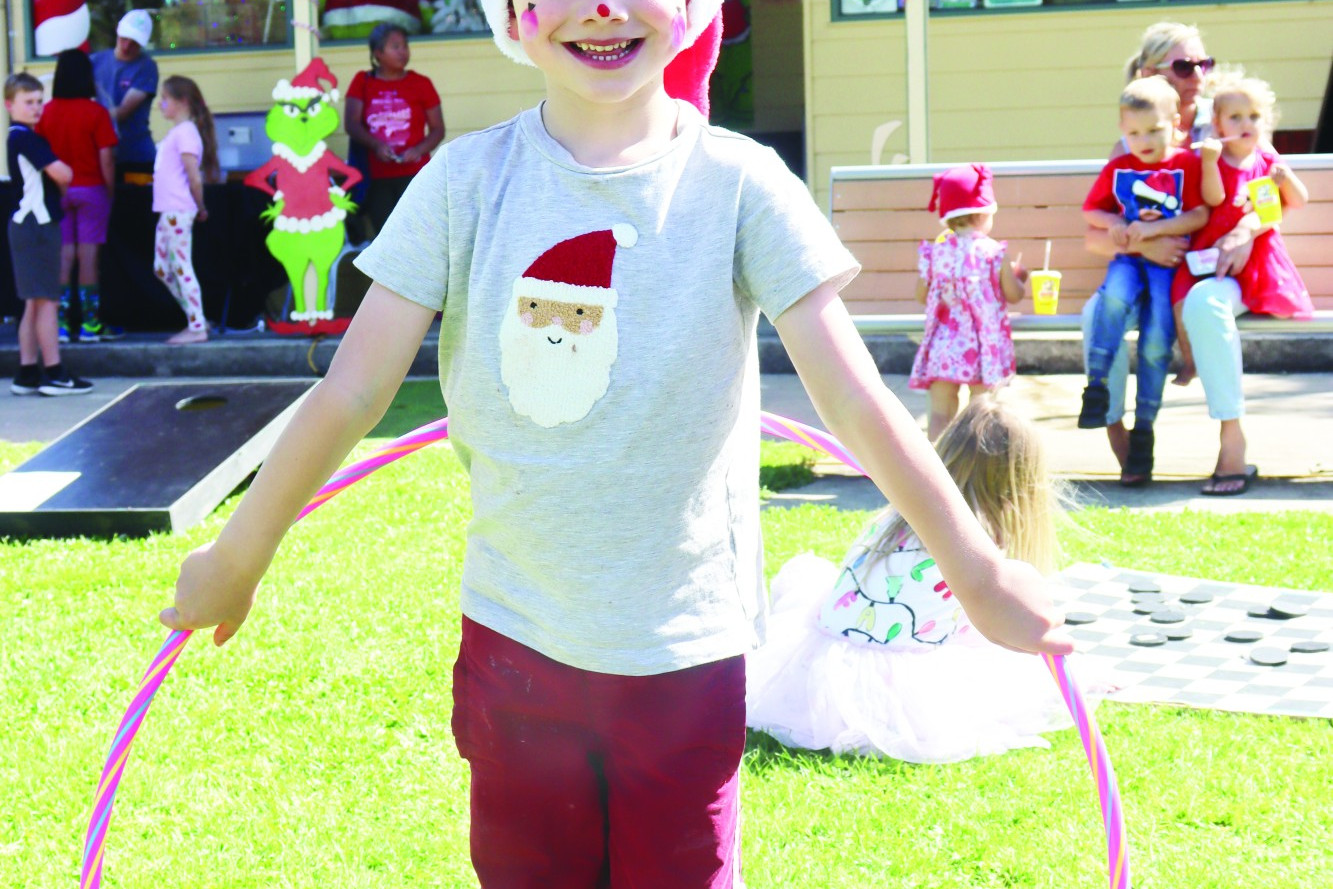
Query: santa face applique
x=558 y=337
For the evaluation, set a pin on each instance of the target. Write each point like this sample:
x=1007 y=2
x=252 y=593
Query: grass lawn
x=314 y=751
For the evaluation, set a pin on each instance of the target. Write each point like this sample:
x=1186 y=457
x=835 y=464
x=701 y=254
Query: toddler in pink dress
x=965 y=283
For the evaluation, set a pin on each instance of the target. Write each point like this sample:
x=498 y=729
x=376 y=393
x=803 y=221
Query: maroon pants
x=589 y=780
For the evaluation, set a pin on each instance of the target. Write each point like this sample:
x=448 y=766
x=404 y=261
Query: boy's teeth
x=604 y=48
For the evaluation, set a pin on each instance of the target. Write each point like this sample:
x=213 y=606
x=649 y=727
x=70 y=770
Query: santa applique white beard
x=558 y=337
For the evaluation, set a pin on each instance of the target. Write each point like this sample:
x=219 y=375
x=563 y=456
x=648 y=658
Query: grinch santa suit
x=308 y=212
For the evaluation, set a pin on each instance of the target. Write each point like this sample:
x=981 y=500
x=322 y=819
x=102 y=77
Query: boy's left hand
x=1016 y=613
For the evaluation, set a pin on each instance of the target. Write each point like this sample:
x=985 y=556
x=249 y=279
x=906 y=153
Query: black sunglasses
x=1185 y=67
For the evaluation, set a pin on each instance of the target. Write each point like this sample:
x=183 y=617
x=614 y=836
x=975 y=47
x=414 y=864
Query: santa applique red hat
x=306 y=85
x=962 y=191
x=578 y=269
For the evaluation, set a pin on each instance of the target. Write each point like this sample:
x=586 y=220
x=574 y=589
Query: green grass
x=314 y=751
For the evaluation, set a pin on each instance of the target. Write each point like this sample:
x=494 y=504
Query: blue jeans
x=1134 y=287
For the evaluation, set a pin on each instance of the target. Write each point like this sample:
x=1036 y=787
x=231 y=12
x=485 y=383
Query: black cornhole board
x=160 y=457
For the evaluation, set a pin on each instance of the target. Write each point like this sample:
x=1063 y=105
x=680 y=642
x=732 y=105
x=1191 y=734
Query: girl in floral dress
x=965 y=283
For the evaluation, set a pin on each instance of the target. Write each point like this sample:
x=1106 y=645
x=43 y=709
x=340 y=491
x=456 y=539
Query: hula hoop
x=1099 y=760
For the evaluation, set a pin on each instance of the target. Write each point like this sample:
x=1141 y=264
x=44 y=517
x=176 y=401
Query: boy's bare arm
x=1102 y=218
x=217 y=583
x=1004 y=598
x=60 y=173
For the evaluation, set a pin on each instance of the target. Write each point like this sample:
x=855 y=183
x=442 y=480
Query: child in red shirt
x=81 y=134
x=1152 y=191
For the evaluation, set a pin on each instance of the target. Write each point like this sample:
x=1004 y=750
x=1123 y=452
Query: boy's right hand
x=211 y=591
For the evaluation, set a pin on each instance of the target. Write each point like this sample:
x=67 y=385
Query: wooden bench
x=880 y=214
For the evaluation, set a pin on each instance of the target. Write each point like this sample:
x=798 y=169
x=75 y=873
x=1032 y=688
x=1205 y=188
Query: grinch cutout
x=309 y=206
x=558 y=338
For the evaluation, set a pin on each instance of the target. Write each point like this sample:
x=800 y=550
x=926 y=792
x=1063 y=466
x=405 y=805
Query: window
x=182 y=24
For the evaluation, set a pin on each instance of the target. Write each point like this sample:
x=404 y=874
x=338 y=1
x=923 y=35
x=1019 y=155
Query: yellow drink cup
x=1266 y=200
x=1045 y=291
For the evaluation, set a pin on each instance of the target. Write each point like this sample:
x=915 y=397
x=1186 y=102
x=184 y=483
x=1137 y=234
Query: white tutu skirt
x=930 y=704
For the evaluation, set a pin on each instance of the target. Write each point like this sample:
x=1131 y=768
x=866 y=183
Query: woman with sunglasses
x=1176 y=52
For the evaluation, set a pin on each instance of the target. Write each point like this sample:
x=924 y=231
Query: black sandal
x=1096 y=402
x=1138 y=464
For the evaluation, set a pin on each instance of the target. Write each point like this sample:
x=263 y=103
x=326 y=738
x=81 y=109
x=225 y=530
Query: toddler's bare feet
x=187 y=336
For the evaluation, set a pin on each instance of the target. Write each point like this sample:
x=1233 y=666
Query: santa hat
x=686 y=75
x=62 y=25
x=306 y=85
x=962 y=191
x=578 y=269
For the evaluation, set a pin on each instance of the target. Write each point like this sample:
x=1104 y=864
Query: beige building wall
x=1034 y=85
x=779 y=66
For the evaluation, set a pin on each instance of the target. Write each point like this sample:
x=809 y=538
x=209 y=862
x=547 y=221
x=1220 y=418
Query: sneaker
x=62 y=334
x=25 y=387
x=111 y=332
x=89 y=334
x=68 y=386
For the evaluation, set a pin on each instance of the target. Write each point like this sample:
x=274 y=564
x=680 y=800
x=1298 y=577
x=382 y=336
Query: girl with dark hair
x=81 y=134
x=395 y=115
x=185 y=159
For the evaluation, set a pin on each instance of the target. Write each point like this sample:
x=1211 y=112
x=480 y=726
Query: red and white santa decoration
x=59 y=25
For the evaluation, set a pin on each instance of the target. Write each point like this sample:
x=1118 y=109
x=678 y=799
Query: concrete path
x=1290 y=429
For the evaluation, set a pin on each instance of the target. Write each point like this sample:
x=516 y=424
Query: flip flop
x=1250 y=474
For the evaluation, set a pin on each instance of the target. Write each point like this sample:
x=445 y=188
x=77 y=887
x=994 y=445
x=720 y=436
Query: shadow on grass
x=765 y=754
x=417 y=403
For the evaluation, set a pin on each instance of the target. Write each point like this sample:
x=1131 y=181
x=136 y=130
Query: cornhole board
x=160 y=457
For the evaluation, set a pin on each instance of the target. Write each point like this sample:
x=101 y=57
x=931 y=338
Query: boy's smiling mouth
x=608 y=53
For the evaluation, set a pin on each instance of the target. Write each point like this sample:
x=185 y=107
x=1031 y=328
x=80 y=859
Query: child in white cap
x=126 y=78
x=601 y=261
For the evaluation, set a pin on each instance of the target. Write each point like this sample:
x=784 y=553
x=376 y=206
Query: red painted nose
x=603 y=10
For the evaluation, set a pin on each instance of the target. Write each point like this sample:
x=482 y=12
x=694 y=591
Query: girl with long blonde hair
x=877 y=657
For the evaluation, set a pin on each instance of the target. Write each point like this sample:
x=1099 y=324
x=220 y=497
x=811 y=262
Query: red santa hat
x=306 y=85
x=686 y=75
x=62 y=25
x=578 y=269
x=962 y=191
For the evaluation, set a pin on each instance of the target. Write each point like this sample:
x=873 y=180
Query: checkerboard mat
x=1205 y=670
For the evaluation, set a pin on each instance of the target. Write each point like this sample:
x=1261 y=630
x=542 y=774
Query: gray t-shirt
x=598 y=360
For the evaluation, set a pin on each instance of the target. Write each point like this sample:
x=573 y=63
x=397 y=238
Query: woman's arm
x=191 y=162
x=1165 y=251
x=1005 y=599
x=217 y=582
x=358 y=133
x=434 y=136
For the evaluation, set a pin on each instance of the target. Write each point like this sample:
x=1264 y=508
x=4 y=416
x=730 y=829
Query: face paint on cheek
x=529 y=19
x=678 y=31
